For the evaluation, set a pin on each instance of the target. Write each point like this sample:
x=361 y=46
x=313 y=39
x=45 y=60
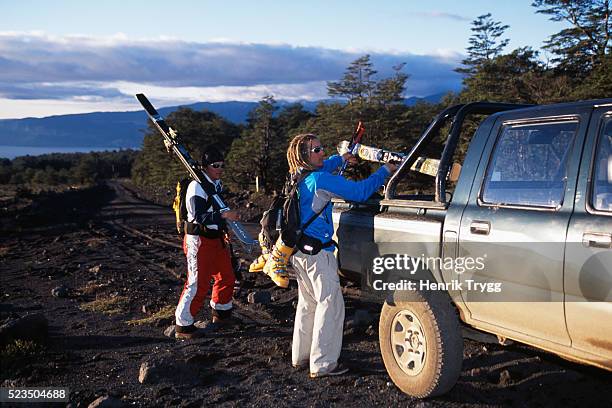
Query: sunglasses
x=218 y=165
x=317 y=149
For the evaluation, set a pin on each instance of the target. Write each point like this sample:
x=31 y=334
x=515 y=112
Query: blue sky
x=77 y=56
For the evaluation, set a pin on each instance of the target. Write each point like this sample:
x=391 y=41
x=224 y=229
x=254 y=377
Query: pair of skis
x=422 y=164
x=370 y=153
x=173 y=142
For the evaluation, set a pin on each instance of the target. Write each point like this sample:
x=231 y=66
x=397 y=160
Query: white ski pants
x=319 y=319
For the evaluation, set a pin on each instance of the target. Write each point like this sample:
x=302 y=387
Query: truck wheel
x=421 y=343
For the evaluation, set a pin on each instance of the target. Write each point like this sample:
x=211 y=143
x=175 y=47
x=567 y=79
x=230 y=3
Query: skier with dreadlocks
x=319 y=319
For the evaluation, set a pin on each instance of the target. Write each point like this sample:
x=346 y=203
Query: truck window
x=601 y=192
x=528 y=165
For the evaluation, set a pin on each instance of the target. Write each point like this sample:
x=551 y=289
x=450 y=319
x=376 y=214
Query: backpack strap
x=210 y=189
x=315 y=215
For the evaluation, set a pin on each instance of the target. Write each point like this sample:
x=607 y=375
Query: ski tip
x=142 y=98
x=144 y=101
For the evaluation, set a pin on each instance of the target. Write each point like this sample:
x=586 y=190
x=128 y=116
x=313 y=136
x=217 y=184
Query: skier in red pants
x=208 y=254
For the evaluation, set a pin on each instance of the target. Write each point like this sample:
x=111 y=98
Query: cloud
x=441 y=14
x=61 y=90
x=40 y=66
x=178 y=95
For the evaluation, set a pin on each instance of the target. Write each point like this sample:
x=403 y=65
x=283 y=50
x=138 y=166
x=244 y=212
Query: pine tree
x=260 y=151
x=390 y=91
x=154 y=166
x=599 y=82
x=291 y=120
x=87 y=169
x=261 y=119
x=358 y=84
x=485 y=43
x=580 y=48
x=503 y=78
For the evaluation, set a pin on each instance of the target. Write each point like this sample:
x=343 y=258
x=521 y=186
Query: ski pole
x=357 y=134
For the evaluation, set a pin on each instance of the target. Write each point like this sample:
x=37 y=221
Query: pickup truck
x=533 y=201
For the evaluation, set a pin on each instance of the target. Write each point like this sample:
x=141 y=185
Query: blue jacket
x=318 y=188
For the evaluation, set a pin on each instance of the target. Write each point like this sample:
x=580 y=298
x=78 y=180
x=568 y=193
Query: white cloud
x=104 y=70
x=23 y=108
x=159 y=95
x=288 y=92
x=443 y=15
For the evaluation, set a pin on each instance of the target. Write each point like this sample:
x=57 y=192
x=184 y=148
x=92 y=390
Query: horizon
x=96 y=57
x=138 y=108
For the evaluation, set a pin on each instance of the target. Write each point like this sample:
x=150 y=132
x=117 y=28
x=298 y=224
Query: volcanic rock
x=261 y=296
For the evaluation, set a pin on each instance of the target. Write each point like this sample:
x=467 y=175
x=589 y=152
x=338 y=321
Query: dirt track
x=109 y=244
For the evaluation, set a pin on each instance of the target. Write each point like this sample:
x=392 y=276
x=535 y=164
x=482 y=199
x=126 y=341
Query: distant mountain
x=435 y=98
x=100 y=129
x=120 y=129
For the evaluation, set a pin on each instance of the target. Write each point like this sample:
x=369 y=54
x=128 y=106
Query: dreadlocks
x=298 y=153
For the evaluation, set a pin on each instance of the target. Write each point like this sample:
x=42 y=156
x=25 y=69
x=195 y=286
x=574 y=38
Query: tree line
x=67 y=168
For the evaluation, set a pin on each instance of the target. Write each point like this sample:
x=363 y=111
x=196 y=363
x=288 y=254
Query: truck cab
x=533 y=203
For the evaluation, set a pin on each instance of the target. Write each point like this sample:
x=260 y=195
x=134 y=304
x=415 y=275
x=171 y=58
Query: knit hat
x=211 y=155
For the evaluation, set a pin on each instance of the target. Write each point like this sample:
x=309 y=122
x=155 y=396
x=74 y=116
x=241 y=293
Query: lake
x=10 y=152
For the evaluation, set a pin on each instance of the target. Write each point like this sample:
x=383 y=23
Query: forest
x=67 y=168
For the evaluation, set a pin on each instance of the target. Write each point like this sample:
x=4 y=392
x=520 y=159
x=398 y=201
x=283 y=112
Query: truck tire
x=421 y=343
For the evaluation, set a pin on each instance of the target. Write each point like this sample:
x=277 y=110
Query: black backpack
x=283 y=217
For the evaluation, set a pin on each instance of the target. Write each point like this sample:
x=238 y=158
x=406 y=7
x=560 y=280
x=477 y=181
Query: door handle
x=597 y=240
x=480 y=227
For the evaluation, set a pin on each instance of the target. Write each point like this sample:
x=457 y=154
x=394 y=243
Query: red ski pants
x=206 y=258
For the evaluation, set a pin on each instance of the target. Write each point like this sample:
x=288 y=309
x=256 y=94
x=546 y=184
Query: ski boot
x=258 y=264
x=276 y=265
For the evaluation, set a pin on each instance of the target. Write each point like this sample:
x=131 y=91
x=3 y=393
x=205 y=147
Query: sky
x=60 y=57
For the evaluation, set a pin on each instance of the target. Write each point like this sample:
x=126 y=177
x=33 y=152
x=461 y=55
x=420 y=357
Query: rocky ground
x=96 y=274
